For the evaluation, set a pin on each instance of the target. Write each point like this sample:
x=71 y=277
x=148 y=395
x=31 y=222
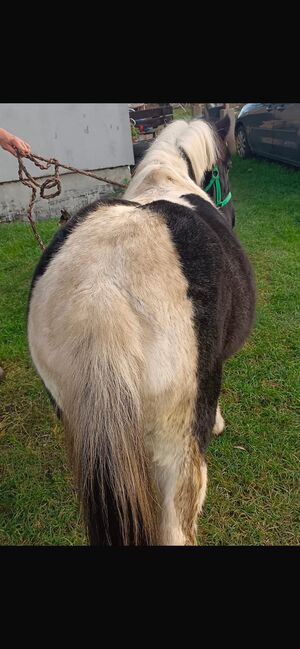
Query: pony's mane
x=197 y=140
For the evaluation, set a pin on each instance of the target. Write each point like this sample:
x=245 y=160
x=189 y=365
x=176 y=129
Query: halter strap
x=215 y=180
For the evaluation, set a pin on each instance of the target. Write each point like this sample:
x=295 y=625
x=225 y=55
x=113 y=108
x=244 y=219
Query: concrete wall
x=94 y=137
x=77 y=191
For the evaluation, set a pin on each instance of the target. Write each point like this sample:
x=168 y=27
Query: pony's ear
x=223 y=126
x=226 y=133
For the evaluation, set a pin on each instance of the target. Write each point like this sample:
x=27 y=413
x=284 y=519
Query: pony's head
x=216 y=180
x=187 y=157
x=208 y=158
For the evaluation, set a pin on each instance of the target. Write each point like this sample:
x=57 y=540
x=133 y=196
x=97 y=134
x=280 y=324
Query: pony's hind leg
x=181 y=477
x=219 y=423
x=191 y=491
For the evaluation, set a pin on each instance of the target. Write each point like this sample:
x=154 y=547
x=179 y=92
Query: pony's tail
x=103 y=421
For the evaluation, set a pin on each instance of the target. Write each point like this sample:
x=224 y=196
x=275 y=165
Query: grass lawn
x=253 y=492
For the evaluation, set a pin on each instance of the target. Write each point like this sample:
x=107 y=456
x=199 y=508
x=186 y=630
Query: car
x=269 y=130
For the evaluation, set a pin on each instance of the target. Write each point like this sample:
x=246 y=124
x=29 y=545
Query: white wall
x=86 y=136
x=77 y=191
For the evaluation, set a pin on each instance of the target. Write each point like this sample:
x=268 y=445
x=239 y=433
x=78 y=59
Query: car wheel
x=242 y=145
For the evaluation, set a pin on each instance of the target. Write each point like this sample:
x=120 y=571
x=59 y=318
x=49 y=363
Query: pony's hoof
x=219 y=424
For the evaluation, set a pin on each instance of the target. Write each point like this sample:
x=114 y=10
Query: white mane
x=163 y=172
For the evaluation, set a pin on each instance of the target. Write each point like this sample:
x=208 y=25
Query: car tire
x=241 y=141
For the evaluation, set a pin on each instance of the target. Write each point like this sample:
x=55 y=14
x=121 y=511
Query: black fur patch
x=189 y=164
x=221 y=287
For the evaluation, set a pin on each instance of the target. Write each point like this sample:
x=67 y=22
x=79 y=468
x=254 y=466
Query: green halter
x=215 y=180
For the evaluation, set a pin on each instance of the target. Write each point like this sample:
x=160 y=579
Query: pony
x=134 y=307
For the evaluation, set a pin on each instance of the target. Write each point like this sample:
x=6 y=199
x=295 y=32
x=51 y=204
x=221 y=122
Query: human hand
x=11 y=143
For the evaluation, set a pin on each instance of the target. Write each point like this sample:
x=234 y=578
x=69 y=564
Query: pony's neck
x=161 y=183
x=164 y=172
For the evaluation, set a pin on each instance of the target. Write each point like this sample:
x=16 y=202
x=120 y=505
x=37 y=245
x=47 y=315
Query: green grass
x=253 y=493
x=37 y=501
